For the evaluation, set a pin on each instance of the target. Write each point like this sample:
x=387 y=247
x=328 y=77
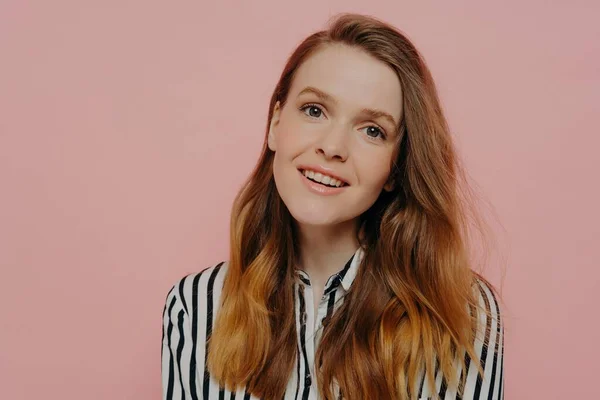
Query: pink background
x=127 y=127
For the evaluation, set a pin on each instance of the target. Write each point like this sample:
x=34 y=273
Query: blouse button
x=307 y=381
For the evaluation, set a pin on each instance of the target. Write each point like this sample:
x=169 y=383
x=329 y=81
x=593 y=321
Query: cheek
x=292 y=140
x=374 y=171
x=289 y=145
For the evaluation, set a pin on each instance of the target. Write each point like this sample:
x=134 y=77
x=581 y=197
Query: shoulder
x=489 y=338
x=484 y=374
x=198 y=288
x=487 y=299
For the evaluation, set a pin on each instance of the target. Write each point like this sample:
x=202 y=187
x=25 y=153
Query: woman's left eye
x=374 y=132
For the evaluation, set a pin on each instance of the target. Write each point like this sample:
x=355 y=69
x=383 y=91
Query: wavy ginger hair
x=410 y=302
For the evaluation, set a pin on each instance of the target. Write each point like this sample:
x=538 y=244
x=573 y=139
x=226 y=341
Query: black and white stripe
x=192 y=304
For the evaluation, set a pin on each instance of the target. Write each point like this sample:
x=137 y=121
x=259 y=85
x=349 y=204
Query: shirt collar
x=351 y=269
x=345 y=276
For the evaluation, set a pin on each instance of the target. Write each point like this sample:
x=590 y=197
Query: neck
x=324 y=250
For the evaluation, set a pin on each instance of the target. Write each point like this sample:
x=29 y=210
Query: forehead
x=353 y=77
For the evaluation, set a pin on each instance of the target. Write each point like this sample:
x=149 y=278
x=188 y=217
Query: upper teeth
x=324 y=179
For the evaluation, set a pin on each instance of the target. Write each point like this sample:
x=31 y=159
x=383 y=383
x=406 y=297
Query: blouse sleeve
x=177 y=361
x=489 y=347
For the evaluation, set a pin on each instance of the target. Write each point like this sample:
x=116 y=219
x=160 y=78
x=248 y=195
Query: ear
x=389 y=185
x=271 y=140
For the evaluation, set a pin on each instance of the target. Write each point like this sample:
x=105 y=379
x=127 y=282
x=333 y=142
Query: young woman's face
x=340 y=121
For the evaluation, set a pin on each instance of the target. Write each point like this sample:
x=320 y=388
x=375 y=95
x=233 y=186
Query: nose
x=333 y=144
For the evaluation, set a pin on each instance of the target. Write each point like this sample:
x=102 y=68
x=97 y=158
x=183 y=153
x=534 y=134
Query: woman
x=348 y=273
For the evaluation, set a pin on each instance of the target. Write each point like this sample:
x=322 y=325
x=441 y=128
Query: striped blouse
x=192 y=304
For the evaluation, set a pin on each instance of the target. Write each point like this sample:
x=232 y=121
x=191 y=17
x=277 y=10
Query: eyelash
x=381 y=131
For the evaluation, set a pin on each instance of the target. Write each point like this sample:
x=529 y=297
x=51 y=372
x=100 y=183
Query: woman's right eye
x=314 y=111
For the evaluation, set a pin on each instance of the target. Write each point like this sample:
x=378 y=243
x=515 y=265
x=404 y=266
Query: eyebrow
x=371 y=113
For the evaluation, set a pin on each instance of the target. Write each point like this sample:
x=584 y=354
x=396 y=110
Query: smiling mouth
x=323 y=180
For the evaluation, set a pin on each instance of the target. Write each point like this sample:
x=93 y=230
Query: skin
x=337 y=134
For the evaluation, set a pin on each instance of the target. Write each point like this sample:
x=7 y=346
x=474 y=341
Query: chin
x=316 y=221
x=312 y=217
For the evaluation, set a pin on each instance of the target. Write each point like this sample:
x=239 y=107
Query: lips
x=321 y=179
x=323 y=175
x=319 y=188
